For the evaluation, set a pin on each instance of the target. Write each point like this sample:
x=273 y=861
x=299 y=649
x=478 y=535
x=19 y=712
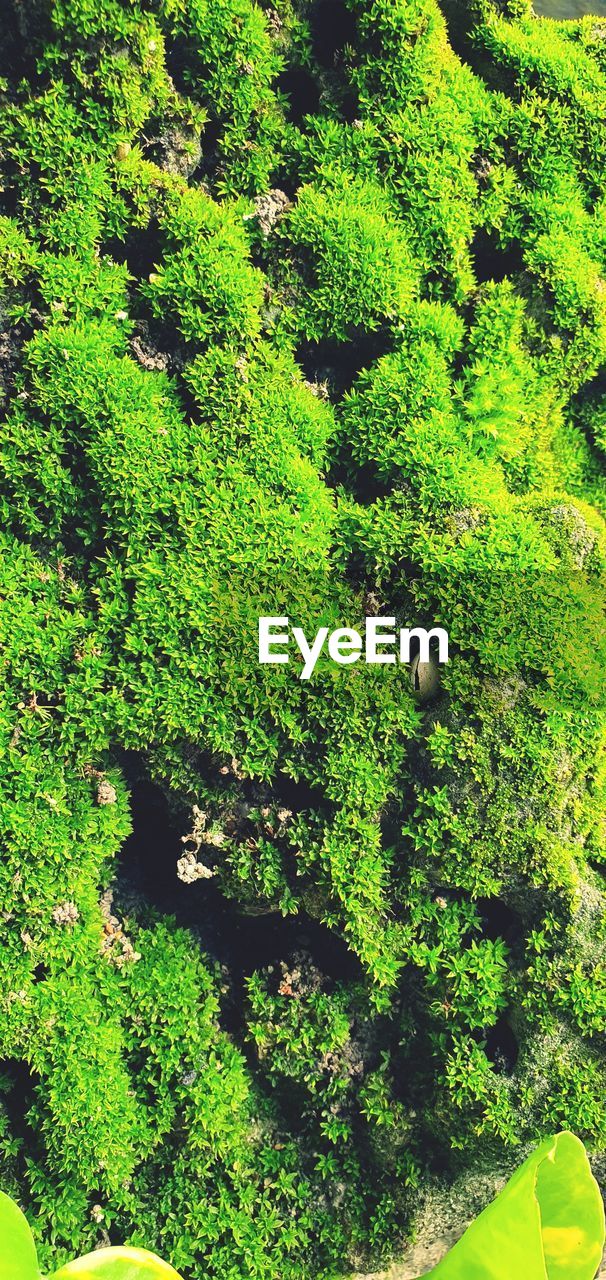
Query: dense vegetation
x=303 y=308
x=548 y=1221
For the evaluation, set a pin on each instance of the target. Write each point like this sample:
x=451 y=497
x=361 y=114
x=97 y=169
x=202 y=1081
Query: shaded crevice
x=499 y=921
x=297 y=794
x=211 y=137
x=242 y=943
x=502 y=1047
x=350 y=107
x=12 y=342
x=585 y=408
x=363 y=483
x=302 y=92
x=491 y=262
x=180 y=55
x=23 y=25
x=337 y=364
x=140 y=252
x=18 y=1089
x=333 y=27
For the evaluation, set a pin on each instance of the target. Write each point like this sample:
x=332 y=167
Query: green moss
x=323 y=343
x=361 y=270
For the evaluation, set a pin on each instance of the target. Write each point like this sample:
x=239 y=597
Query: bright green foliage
x=551 y=1212
x=204 y=283
x=232 y=63
x=361 y=270
x=296 y=329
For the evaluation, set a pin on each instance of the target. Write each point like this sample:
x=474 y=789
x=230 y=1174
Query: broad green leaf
x=18 y=1260
x=117 y=1264
x=547 y=1223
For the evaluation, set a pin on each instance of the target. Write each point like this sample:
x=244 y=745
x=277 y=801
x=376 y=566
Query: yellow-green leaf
x=117 y=1264
x=18 y=1259
x=547 y=1223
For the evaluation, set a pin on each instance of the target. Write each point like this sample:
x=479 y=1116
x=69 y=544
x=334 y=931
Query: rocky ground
x=419 y=1260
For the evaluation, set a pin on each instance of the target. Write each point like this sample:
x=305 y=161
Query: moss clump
x=307 y=322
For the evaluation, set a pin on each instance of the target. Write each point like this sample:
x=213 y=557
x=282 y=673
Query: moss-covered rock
x=303 y=310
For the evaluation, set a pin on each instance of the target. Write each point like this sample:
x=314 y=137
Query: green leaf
x=18 y=1260
x=547 y=1223
x=117 y=1264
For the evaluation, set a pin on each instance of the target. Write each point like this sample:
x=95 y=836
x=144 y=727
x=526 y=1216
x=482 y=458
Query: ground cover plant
x=551 y=1212
x=303 y=308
